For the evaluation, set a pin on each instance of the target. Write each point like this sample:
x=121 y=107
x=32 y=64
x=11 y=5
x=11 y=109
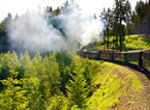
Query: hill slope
x=119 y=89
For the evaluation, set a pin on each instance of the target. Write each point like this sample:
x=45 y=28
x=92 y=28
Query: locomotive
x=91 y=54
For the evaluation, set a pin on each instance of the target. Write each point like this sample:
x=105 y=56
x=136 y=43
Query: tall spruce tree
x=106 y=17
x=77 y=86
x=120 y=12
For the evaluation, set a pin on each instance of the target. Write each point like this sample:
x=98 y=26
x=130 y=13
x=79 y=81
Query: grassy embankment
x=113 y=84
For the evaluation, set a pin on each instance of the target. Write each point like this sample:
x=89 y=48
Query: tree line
x=121 y=21
x=142 y=18
x=5 y=43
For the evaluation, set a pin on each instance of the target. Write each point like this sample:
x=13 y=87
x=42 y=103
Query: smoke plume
x=35 y=31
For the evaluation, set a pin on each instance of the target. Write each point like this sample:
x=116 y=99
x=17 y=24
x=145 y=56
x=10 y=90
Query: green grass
x=132 y=42
x=136 y=42
x=112 y=86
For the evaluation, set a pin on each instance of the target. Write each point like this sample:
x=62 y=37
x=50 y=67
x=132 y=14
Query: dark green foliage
x=4 y=42
x=115 y=21
x=28 y=83
x=54 y=82
x=139 y=17
x=64 y=60
x=107 y=19
x=3 y=39
x=77 y=86
x=36 y=83
x=121 y=15
x=143 y=10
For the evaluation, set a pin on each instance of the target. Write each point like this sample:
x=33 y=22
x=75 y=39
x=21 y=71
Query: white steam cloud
x=35 y=31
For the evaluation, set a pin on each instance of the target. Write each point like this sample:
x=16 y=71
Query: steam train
x=91 y=54
x=141 y=58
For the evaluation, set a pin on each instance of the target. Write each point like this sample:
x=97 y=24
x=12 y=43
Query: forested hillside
x=62 y=82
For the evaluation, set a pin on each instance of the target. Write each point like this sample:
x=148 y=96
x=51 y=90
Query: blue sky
x=21 y=6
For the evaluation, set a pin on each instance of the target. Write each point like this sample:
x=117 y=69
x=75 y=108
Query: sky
x=21 y=6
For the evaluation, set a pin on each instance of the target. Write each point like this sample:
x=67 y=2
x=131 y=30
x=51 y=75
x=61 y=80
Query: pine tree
x=12 y=95
x=52 y=73
x=120 y=12
x=58 y=103
x=77 y=86
x=106 y=17
x=64 y=60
